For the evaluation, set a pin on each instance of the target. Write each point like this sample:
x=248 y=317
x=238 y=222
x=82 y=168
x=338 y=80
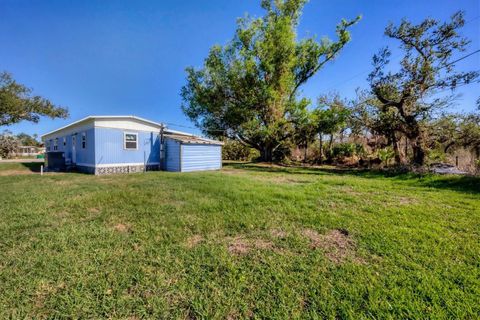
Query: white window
x=130 y=141
x=55 y=144
x=84 y=140
x=64 y=141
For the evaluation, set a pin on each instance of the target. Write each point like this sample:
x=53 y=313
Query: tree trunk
x=330 y=144
x=396 y=150
x=406 y=149
x=321 y=147
x=418 y=151
x=266 y=154
x=305 y=154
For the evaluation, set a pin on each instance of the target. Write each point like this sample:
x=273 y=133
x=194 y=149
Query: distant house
x=123 y=144
x=28 y=151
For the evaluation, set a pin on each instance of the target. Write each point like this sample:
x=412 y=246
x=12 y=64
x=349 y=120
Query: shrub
x=234 y=150
x=347 y=150
x=386 y=154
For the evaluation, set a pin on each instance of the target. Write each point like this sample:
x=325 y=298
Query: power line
x=396 y=56
x=187 y=127
x=464 y=57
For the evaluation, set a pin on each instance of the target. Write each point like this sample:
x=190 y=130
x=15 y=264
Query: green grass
x=247 y=241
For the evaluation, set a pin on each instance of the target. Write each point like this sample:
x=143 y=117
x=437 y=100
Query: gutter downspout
x=162 y=148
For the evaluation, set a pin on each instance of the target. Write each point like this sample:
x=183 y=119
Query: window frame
x=55 y=144
x=64 y=141
x=84 y=140
x=125 y=140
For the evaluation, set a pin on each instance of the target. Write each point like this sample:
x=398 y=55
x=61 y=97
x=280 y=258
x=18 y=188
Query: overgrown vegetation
x=247 y=91
x=245 y=242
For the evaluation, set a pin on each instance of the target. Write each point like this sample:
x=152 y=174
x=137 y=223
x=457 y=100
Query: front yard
x=247 y=241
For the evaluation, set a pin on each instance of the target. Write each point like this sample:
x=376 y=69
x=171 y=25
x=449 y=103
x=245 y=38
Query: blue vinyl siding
x=109 y=147
x=83 y=156
x=172 y=155
x=198 y=157
x=87 y=155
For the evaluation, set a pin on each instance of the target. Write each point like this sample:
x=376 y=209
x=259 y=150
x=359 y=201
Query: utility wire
x=464 y=57
x=341 y=83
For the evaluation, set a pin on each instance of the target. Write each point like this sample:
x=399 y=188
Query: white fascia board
x=126 y=124
x=82 y=124
x=153 y=124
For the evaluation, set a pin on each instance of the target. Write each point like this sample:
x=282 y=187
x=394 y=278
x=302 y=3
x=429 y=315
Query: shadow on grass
x=458 y=183
x=32 y=166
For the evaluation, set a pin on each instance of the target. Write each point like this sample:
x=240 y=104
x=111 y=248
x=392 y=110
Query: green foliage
x=28 y=140
x=332 y=114
x=235 y=150
x=436 y=155
x=406 y=99
x=347 y=150
x=17 y=103
x=248 y=89
x=386 y=155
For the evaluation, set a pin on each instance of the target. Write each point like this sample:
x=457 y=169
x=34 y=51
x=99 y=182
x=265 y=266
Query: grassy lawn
x=247 y=241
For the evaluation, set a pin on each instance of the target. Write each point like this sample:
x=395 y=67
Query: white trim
x=155 y=124
x=109 y=165
x=125 y=140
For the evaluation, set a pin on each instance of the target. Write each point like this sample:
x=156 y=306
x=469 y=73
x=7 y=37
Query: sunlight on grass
x=247 y=241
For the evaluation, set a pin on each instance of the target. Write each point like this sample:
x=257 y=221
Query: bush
x=347 y=150
x=386 y=154
x=436 y=155
x=234 y=150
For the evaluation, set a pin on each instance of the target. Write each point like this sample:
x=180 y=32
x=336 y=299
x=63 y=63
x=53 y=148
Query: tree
x=248 y=89
x=28 y=140
x=331 y=115
x=8 y=144
x=17 y=103
x=426 y=68
x=382 y=121
x=304 y=124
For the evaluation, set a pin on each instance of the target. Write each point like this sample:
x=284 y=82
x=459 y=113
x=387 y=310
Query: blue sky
x=128 y=57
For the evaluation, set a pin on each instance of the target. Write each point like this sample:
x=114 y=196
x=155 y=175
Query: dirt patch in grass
x=122 y=228
x=44 y=291
x=193 y=241
x=93 y=210
x=286 y=180
x=405 y=201
x=350 y=191
x=337 y=244
x=278 y=233
x=241 y=245
x=271 y=178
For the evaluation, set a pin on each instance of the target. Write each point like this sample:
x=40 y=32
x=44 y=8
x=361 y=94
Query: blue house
x=123 y=144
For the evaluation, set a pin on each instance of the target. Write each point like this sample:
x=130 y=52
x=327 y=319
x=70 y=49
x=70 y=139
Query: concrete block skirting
x=117 y=169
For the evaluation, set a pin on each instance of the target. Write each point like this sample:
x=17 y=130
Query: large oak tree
x=17 y=103
x=248 y=89
x=409 y=95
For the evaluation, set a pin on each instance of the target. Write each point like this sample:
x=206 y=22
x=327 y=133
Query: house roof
x=159 y=125
x=183 y=137
x=191 y=139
